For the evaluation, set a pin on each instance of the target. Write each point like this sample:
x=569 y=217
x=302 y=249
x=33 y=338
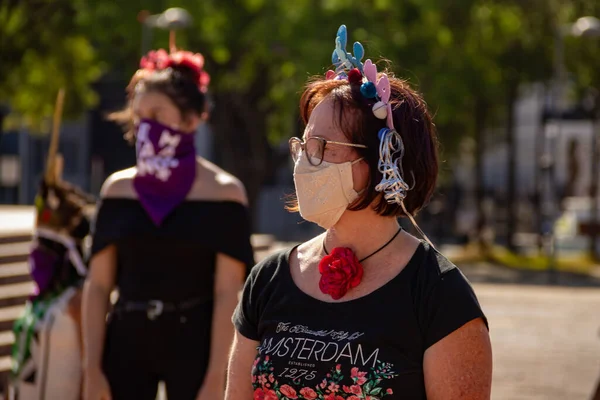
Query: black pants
x=173 y=348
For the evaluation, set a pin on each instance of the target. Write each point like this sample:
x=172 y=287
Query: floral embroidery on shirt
x=367 y=385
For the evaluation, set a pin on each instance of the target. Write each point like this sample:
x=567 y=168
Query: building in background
x=575 y=128
x=23 y=159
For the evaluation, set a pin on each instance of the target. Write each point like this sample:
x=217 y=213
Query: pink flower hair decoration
x=377 y=87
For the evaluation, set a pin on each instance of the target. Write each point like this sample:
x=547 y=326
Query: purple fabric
x=166 y=168
x=42 y=263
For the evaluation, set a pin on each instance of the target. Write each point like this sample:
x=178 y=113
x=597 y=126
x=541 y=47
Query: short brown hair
x=412 y=121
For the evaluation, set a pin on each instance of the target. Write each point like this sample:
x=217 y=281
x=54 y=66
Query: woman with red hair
x=364 y=310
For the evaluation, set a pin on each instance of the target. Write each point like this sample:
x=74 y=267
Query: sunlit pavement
x=545 y=340
x=16 y=219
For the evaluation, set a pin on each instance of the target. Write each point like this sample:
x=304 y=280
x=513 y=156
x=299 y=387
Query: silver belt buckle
x=155 y=308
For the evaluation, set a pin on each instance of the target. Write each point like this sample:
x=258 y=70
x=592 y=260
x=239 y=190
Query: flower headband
x=160 y=60
x=391 y=148
x=350 y=67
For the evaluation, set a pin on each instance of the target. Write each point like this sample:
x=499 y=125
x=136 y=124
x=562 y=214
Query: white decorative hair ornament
x=391 y=148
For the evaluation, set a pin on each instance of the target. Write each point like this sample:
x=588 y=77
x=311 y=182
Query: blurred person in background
x=47 y=352
x=364 y=310
x=172 y=235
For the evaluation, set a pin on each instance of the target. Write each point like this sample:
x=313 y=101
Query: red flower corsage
x=160 y=59
x=340 y=272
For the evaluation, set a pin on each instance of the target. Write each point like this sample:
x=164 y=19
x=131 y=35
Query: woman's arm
x=241 y=358
x=96 y=293
x=459 y=366
x=229 y=278
x=74 y=311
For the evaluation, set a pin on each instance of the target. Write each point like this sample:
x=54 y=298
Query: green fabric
x=24 y=330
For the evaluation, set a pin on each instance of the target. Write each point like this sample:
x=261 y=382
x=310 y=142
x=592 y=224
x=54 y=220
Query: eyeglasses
x=314 y=148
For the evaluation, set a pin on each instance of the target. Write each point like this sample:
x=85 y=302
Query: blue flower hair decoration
x=342 y=59
x=391 y=148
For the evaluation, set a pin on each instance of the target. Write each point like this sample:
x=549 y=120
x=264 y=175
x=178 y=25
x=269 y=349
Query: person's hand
x=213 y=388
x=95 y=385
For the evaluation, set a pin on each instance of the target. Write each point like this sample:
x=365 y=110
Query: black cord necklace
x=376 y=251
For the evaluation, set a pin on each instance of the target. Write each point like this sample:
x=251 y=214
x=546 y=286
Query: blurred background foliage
x=468 y=57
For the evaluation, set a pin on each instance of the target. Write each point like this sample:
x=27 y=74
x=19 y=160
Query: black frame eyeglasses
x=314 y=148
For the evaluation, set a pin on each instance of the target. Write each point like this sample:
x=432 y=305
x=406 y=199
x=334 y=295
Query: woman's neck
x=363 y=231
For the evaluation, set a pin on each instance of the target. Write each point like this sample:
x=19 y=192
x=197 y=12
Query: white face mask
x=325 y=191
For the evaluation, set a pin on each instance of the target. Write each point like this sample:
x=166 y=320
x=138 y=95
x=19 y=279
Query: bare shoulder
x=231 y=188
x=119 y=184
x=214 y=183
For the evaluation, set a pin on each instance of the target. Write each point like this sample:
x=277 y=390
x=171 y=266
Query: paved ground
x=16 y=219
x=545 y=340
x=545 y=331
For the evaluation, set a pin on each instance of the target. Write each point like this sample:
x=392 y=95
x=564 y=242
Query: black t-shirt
x=175 y=261
x=370 y=346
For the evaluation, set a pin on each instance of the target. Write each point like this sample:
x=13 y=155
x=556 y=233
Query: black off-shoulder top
x=174 y=261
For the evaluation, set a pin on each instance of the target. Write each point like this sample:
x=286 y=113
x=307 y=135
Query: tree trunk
x=481 y=110
x=2 y=116
x=539 y=176
x=511 y=203
x=594 y=220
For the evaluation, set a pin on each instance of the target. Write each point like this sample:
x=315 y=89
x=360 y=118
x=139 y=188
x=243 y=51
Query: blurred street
x=545 y=341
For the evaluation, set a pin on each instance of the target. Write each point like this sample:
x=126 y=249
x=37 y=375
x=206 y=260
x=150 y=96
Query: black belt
x=155 y=308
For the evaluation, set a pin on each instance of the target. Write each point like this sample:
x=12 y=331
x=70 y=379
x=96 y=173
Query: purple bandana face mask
x=166 y=168
x=42 y=264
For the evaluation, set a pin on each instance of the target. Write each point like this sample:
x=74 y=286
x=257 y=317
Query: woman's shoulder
x=444 y=297
x=119 y=184
x=435 y=273
x=431 y=264
x=214 y=183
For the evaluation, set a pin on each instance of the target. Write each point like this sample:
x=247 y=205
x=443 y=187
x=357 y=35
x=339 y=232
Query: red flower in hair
x=46 y=215
x=155 y=60
x=194 y=62
x=159 y=60
x=340 y=272
x=354 y=76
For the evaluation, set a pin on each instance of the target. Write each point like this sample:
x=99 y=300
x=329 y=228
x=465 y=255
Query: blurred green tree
x=43 y=50
x=468 y=57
